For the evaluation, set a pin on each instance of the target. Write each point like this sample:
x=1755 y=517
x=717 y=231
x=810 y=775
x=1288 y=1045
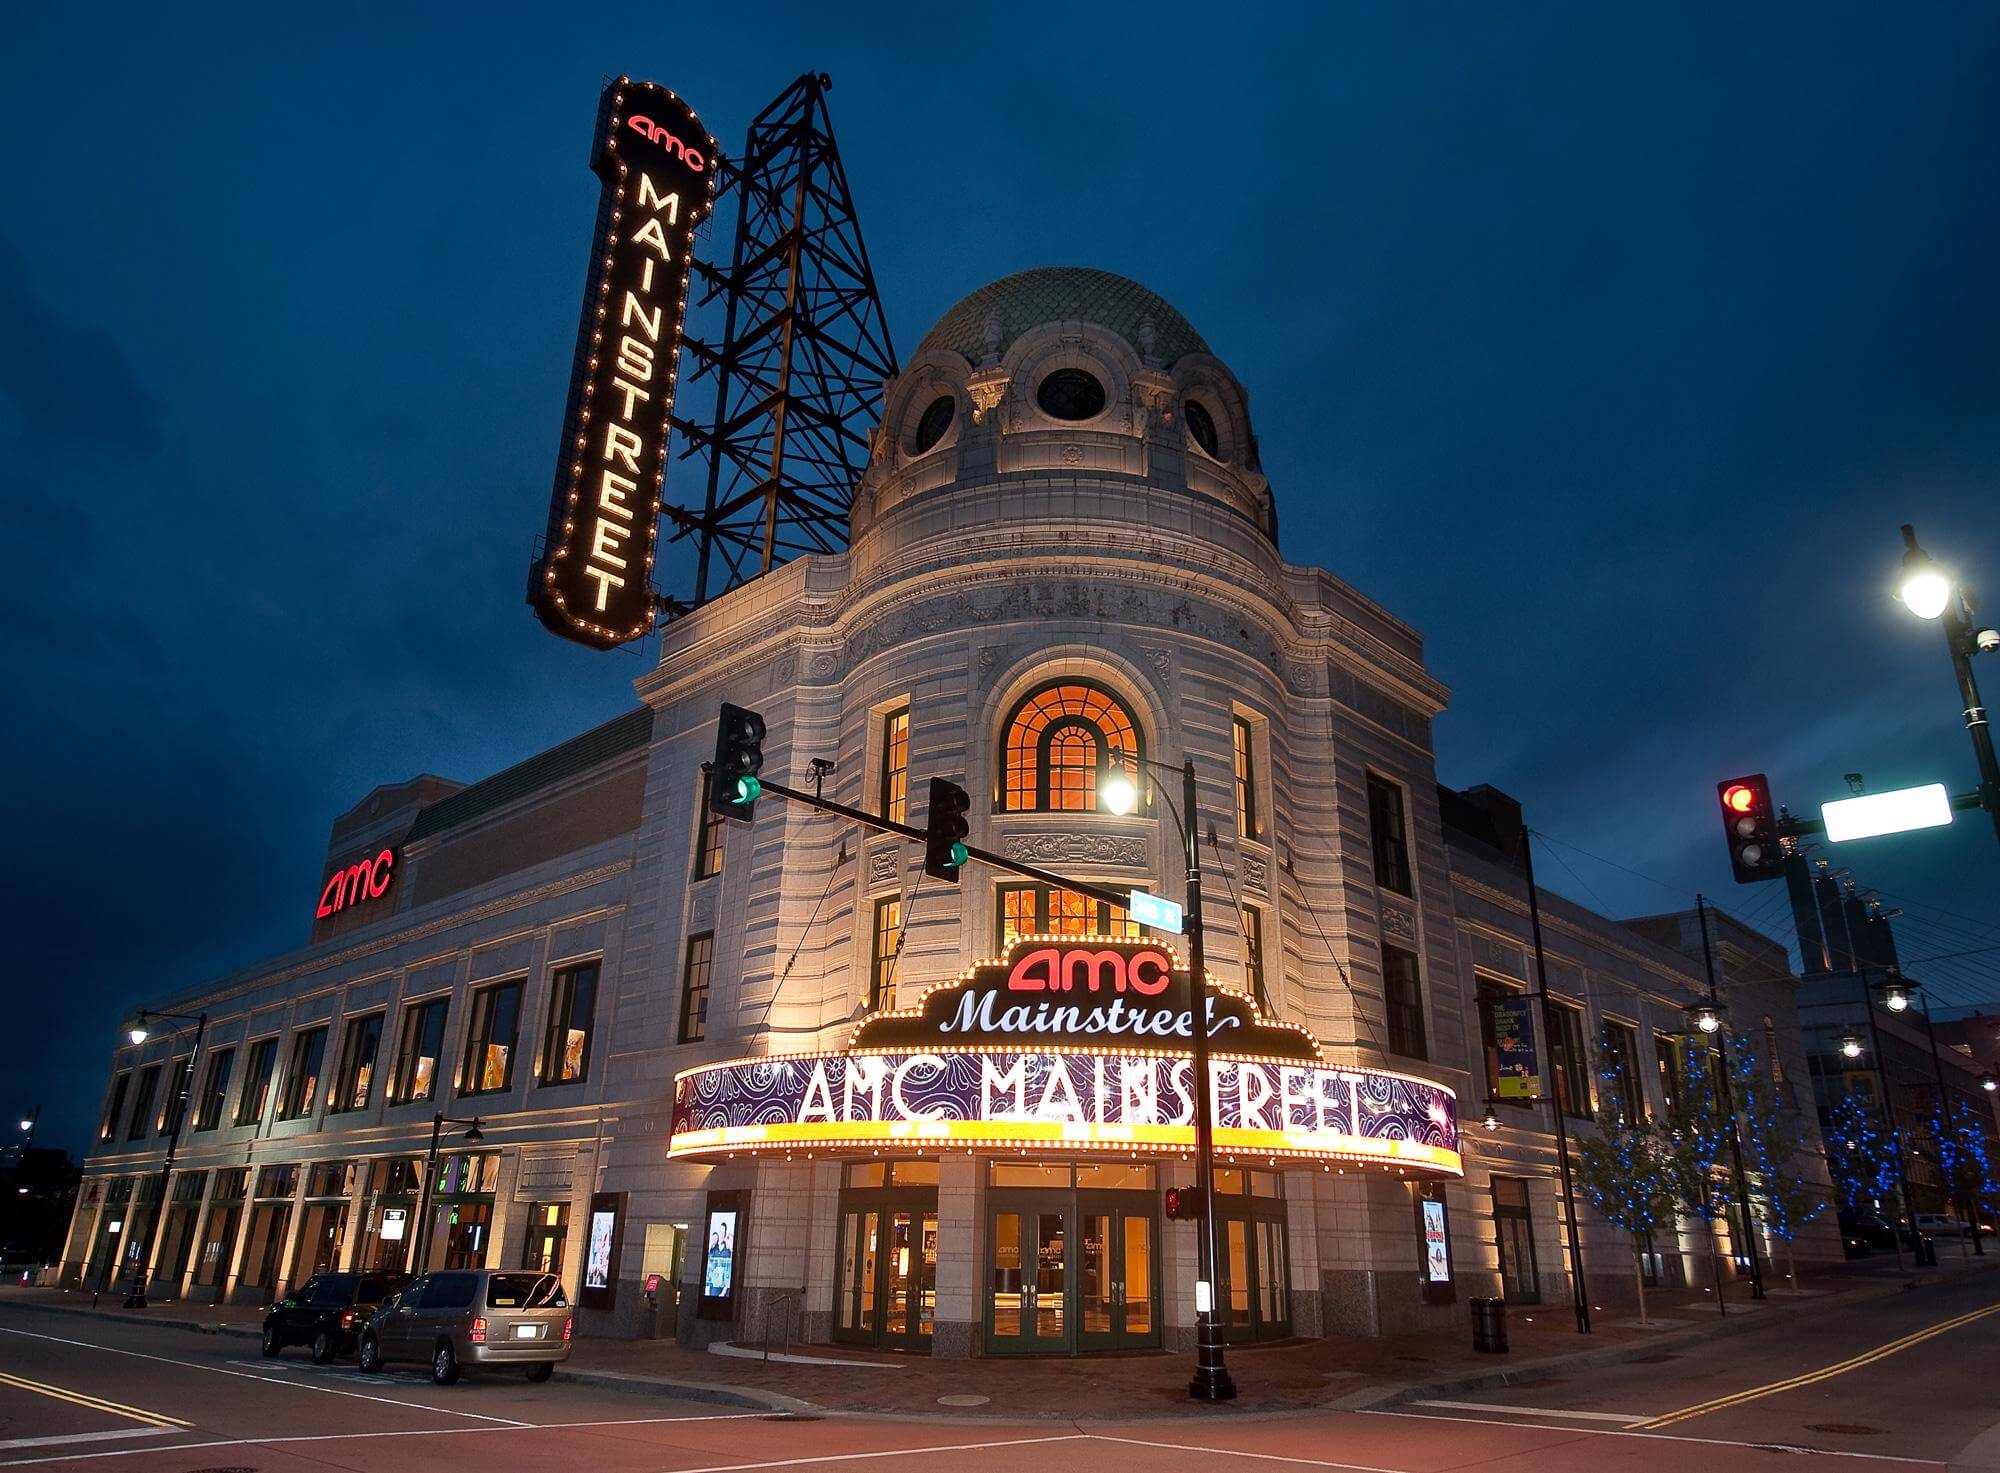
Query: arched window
x=1062 y=742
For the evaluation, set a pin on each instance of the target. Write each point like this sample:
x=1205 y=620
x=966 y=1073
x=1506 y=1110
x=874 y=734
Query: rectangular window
x=1667 y=1058
x=257 y=1082
x=114 y=1107
x=489 y=1046
x=1390 y=834
x=1572 y=1072
x=170 y=1113
x=1253 y=955
x=214 y=1089
x=694 y=987
x=1035 y=910
x=418 y=1053
x=1246 y=780
x=1490 y=992
x=572 y=1003
x=142 y=1103
x=882 y=956
x=302 y=1078
x=896 y=766
x=707 y=838
x=1620 y=1067
x=358 y=1049
x=1403 y=991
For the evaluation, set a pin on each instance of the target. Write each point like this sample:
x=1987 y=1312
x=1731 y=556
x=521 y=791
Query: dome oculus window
x=933 y=423
x=1201 y=426
x=1071 y=394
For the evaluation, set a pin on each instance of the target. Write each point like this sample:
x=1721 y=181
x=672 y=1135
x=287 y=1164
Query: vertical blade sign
x=593 y=584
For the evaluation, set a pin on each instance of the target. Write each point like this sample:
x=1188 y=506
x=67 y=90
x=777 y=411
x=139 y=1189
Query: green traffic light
x=959 y=854
x=747 y=789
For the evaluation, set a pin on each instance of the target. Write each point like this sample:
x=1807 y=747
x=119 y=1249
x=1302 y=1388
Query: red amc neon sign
x=1048 y=969
x=364 y=880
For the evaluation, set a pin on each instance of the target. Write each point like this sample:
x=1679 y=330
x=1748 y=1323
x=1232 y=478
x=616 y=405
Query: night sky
x=1609 y=351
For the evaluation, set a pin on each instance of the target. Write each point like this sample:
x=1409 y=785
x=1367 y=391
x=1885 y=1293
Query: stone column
x=961 y=1255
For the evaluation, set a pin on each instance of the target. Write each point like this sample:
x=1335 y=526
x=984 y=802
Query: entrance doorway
x=1072 y=1258
x=1514 y=1228
x=885 y=1293
x=1254 y=1252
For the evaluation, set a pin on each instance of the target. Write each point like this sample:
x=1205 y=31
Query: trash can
x=1489 y=1326
x=1926 y=1251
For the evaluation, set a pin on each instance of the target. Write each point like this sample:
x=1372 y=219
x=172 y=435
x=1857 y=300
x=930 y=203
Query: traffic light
x=1750 y=822
x=945 y=830
x=739 y=753
x=1186 y=1204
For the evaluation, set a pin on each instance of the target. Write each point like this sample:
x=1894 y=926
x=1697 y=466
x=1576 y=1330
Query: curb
x=142 y=1317
x=729 y=1396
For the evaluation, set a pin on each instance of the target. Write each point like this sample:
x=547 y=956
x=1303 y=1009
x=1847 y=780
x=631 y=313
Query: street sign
x=1894 y=812
x=1151 y=910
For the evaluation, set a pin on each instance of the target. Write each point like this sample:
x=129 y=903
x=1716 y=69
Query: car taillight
x=346 y=1318
x=566 y=1325
x=478 y=1336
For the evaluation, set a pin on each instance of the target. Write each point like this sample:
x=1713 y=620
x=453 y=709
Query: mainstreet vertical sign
x=593 y=584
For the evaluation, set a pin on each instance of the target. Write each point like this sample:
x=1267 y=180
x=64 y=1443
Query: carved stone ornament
x=1399 y=922
x=985 y=389
x=1075 y=848
x=823 y=665
x=1254 y=875
x=883 y=869
x=701 y=914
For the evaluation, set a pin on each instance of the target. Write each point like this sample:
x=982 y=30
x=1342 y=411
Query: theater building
x=746 y=1078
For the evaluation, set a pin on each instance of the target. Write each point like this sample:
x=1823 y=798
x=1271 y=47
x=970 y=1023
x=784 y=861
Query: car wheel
x=273 y=1342
x=444 y=1364
x=371 y=1355
x=540 y=1373
x=323 y=1348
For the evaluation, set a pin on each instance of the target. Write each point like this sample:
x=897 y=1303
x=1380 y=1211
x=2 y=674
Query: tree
x=1773 y=1150
x=1860 y=1152
x=1698 y=1131
x=1626 y=1173
x=1963 y=1164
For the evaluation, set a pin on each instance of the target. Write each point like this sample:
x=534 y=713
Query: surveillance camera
x=1989 y=640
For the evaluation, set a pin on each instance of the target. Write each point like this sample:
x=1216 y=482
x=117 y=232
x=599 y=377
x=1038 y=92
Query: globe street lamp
x=1928 y=591
x=139 y=1032
x=1850 y=1046
x=1120 y=794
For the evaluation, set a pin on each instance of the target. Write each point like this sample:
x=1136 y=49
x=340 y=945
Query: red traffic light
x=1739 y=798
x=1750 y=825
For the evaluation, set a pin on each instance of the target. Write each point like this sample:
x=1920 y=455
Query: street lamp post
x=1211 y=1380
x=28 y=1123
x=1929 y=593
x=473 y=1134
x=1578 y=1290
x=1904 y=1207
x=1968 y=1202
x=1728 y=1104
x=178 y=1113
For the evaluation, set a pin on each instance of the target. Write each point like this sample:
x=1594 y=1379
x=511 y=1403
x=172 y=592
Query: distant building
x=1063 y=567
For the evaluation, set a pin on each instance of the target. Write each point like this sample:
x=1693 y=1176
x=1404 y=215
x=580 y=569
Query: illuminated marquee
x=984 y=1061
x=594 y=582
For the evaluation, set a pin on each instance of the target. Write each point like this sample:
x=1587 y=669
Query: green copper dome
x=1031 y=299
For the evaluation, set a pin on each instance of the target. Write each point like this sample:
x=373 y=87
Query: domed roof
x=1031 y=299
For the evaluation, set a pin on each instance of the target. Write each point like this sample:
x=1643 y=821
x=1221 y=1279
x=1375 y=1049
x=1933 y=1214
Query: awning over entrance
x=1067 y=1044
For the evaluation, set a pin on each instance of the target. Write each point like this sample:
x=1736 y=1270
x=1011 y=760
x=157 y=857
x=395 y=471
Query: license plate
x=527 y=1332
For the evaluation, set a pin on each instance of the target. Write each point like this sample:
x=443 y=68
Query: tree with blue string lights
x=1624 y=1168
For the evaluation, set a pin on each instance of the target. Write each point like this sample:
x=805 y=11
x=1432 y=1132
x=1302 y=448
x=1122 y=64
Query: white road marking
x=1818 y=1452
x=894 y=1452
x=1628 y=1418
x=64 y=1441
x=268 y=1380
x=1233 y=1452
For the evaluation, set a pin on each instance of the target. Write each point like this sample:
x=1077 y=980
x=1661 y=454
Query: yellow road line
x=94 y=1403
x=1824 y=1373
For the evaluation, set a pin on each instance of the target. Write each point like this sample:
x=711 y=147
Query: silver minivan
x=454 y=1318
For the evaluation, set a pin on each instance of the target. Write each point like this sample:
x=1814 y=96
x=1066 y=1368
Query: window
x=177 y=1088
x=707 y=838
x=1403 y=991
x=1253 y=955
x=1572 y=1074
x=214 y=1089
x=1489 y=993
x=1062 y=741
x=257 y=1082
x=1071 y=394
x=566 y=1046
x=1619 y=1043
x=302 y=1079
x=357 y=1063
x=417 y=1054
x=114 y=1107
x=1201 y=427
x=1388 y=833
x=142 y=1103
x=694 y=987
x=1667 y=1058
x=932 y=424
x=1246 y=781
x=1035 y=910
x=888 y=935
x=489 y=1047
x=896 y=766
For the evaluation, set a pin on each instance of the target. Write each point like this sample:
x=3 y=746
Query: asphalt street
x=1904 y=1381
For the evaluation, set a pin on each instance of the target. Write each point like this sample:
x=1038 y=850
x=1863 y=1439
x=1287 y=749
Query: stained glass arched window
x=1061 y=743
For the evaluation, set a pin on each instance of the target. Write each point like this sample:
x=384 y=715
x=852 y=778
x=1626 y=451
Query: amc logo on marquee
x=1083 y=970
x=364 y=880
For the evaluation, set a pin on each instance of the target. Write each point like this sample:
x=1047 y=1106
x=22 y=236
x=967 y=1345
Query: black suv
x=327 y=1312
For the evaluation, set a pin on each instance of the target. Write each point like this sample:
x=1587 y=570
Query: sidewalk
x=1288 y=1376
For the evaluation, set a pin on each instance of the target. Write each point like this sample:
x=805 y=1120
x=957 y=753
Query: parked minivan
x=453 y=1318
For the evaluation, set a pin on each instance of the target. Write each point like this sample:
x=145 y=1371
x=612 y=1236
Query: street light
x=1491 y=1119
x=1895 y=997
x=139 y=1033
x=1927 y=591
x=1706 y=1017
x=1989 y=1083
x=473 y=1136
x=1850 y=1046
x=1924 y=590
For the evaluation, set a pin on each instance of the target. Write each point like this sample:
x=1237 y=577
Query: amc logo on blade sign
x=364 y=880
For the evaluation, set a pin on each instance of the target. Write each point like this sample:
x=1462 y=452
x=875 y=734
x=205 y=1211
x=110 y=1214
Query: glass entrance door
x=1254 y=1300
x=1028 y=1282
x=1115 y=1267
x=887 y=1294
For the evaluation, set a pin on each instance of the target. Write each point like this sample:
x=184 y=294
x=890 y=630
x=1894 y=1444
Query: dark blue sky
x=1608 y=350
